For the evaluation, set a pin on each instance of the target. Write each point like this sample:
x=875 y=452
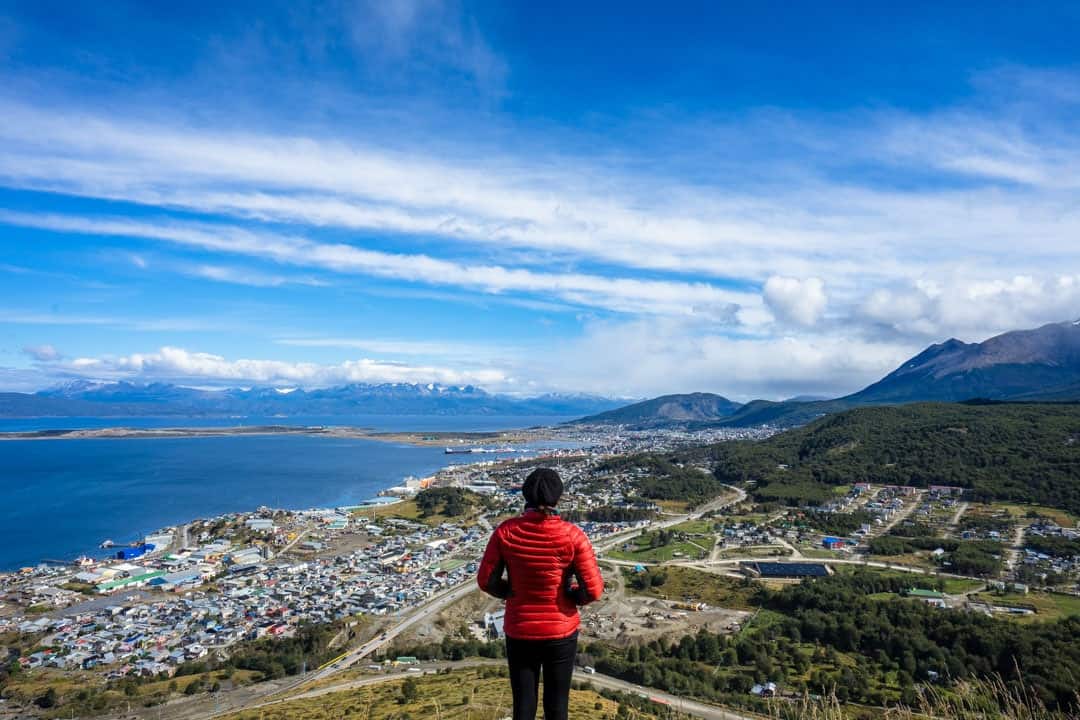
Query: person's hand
x=573 y=589
x=500 y=588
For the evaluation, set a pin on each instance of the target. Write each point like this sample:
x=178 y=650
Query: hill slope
x=1027 y=365
x=1016 y=452
x=1016 y=364
x=668 y=410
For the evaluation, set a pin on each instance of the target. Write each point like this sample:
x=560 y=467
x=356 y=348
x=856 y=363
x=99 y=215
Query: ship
x=458 y=451
x=107 y=544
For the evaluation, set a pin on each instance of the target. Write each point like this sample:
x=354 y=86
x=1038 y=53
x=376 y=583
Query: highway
x=408 y=619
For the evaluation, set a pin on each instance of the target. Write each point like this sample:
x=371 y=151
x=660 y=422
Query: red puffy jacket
x=541 y=553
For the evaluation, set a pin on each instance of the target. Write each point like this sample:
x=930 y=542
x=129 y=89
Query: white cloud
x=180 y=365
x=973 y=309
x=42 y=353
x=657 y=356
x=792 y=300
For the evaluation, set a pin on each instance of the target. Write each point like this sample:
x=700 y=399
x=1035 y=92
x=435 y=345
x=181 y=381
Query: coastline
x=477 y=447
x=414 y=438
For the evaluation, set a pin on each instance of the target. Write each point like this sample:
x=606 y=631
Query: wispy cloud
x=17 y=316
x=42 y=353
x=421 y=32
x=382 y=346
x=617 y=294
x=242 y=276
x=878 y=232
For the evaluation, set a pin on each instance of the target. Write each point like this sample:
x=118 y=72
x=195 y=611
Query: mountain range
x=1023 y=365
x=126 y=399
x=693 y=408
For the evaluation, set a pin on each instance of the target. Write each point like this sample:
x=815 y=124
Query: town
x=205 y=586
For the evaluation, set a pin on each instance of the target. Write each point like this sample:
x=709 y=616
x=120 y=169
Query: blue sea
x=63 y=497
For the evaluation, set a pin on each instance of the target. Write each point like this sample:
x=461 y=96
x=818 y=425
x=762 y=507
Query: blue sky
x=747 y=198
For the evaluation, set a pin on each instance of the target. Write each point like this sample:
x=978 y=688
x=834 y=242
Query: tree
x=48 y=699
x=409 y=691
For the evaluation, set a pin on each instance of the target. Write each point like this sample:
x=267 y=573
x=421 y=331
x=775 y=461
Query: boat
x=458 y=451
x=107 y=544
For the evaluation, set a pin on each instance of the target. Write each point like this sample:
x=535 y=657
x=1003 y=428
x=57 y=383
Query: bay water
x=61 y=498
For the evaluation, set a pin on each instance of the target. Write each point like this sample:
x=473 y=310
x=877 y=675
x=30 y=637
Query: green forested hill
x=1017 y=452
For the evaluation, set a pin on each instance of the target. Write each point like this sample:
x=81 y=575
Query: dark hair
x=542 y=489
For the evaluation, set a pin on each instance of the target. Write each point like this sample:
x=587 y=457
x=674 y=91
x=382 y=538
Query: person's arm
x=590 y=582
x=492 y=566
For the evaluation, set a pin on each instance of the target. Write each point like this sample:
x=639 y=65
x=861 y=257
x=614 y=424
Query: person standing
x=544 y=568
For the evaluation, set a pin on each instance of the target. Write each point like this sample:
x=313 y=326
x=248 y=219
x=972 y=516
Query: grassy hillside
x=475 y=694
x=1017 y=452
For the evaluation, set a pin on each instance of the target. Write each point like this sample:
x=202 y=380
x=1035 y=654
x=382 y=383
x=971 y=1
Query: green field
x=957 y=586
x=1047 y=606
x=760 y=551
x=821 y=553
x=695 y=527
x=642 y=552
x=1061 y=517
x=647 y=556
x=700 y=586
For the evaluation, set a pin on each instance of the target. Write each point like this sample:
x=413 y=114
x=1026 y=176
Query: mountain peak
x=698 y=407
x=1019 y=363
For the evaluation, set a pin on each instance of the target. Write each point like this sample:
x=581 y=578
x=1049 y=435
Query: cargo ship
x=458 y=451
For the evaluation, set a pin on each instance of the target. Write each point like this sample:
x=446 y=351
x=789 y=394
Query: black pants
x=526 y=659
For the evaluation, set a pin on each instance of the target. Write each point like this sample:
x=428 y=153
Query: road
x=179 y=541
x=903 y=514
x=299 y=536
x=697 y=513
x=796 y=553
x=690 y=707
x=955 y=520
x=1014 y=550
x=408 y=619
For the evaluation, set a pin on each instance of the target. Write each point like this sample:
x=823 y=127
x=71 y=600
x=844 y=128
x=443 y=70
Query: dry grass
x=474 y=694
x=970 y=700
